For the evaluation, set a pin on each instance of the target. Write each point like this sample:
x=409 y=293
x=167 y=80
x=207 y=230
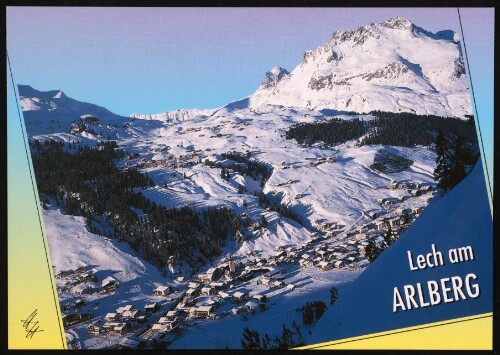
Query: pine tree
x=263 y=222
x=251 y=339
x=441 y=159
x=388 y=239
x=334 y=295
x=372 y=251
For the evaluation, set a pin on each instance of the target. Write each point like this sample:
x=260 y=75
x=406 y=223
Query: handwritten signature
x=30 y=325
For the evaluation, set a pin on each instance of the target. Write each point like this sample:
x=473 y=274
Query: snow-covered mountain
x=391 y=66
x=52 y=111
x=175 y=116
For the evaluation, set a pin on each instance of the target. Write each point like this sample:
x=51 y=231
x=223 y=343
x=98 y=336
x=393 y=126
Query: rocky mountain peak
x=274 y=76
x=397 y=22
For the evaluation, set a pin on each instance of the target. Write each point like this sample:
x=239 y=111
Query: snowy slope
x=53 y=111
x=367 y=305
x=390 y=66
x=72 y=246
x=175 y=116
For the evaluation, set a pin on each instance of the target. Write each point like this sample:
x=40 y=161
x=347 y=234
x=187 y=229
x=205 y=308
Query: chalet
x=115 y=327
x=109 y=284
x=415 y=192
x=306 y=256
x=393 y=185
x=390 y=201
x=362 y=249
x=360 y=237
x=362 y=229
x=291 y=286
x=245 y=276
x=218 y=285
x=151 y=307
x=180 y=279
x=260 y=298
x=208 y=277
x=75 y=318
x=381 y=224
x=63 y=274
x=351 y=259
x=79 y=270
x=251 y=306
x=84 y=289
x=373 y=214
x=279 y=254
x=96 y=327
x=426 y=188
x=192 y=292
x=239 y=296
x=337 y=255
x=238 y=310
x=203 y=311
x=172 y=314
x=121 y=310
x=313 y=235
x=352 y=243
x=395 y=222
x=416 y=210
x=305 y=263
x=121 y=328
x=322 y=253
x=111 y=317
x=164 y=325
x=130 y=314
x=212 y=302
x=224 y=295
x=88 y=276
x=275 y=274
x=338 y=264
x=208 y=291
x=232 y=266
x=277 y=284
x=324 y=265
x=163 y=290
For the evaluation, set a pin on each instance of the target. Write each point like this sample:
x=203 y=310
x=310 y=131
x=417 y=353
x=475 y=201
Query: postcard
x=250 y=178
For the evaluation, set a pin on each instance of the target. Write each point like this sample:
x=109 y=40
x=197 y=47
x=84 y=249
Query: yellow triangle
x=31 y=286
x=469 y=333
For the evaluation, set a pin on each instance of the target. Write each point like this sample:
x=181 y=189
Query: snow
x=393 y=69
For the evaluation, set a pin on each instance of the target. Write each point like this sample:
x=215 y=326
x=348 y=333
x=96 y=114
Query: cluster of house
x=71 y=319
x=80 y=279
x=415 y=189
x=123 y=320
x=212 y=289
x=171 y=161
x=327 y=226
x=317 y=161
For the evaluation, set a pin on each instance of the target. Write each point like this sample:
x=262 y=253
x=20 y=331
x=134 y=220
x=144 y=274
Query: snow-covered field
x=340 y=191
